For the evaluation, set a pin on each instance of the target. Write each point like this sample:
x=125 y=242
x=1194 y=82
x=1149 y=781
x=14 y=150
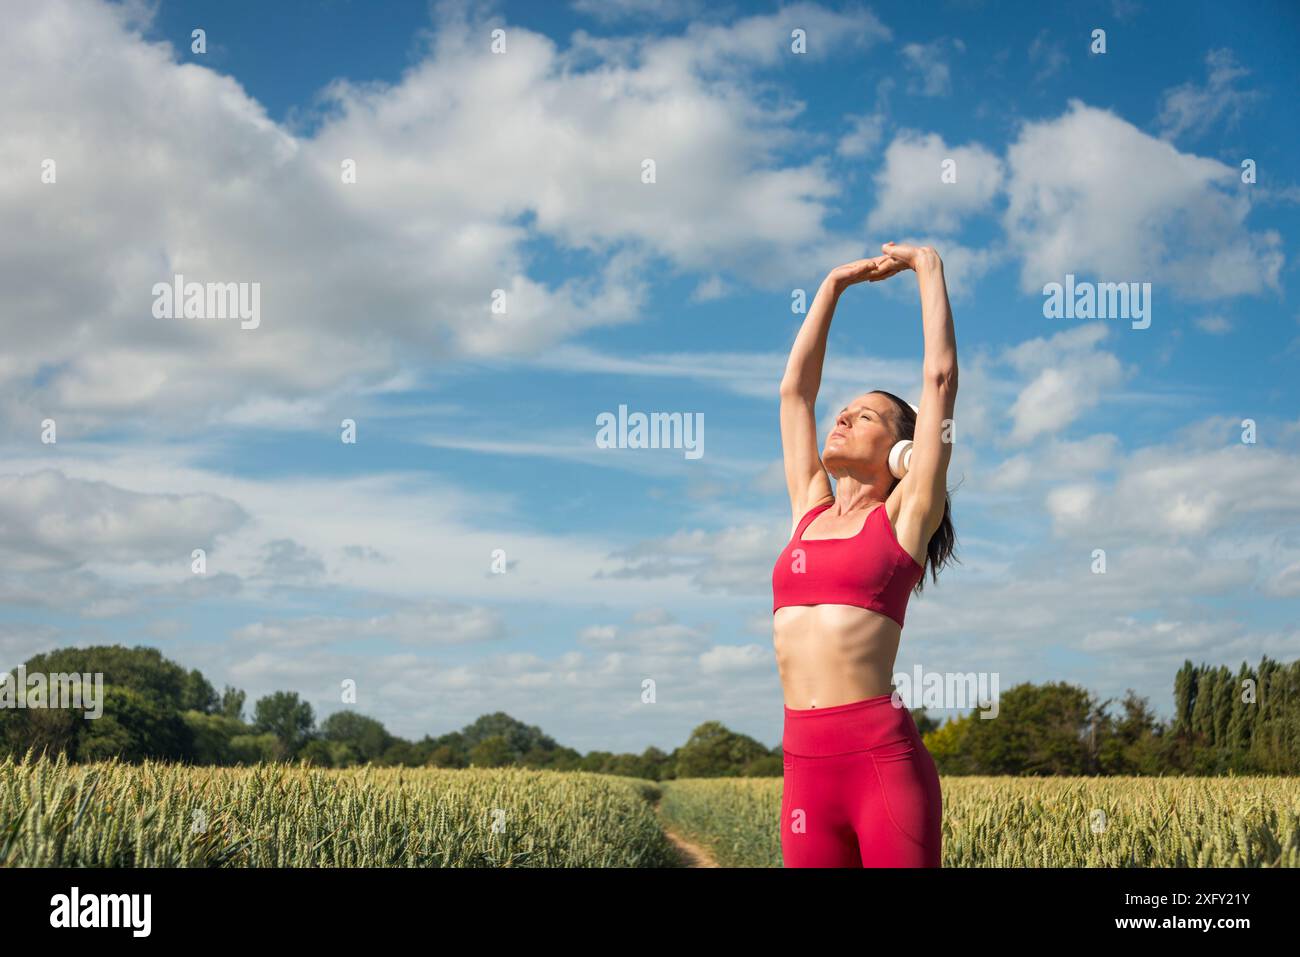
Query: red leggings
x=860 y=789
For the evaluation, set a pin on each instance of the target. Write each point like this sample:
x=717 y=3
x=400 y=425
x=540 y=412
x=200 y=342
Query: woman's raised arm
x=923 y=490
x=805 y=476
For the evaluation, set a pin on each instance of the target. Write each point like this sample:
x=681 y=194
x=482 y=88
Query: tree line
x=1247 y=723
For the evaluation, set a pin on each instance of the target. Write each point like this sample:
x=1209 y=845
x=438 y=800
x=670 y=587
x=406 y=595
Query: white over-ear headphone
x=900 y=456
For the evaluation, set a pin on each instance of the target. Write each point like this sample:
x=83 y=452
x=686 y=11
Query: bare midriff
x=828 y=655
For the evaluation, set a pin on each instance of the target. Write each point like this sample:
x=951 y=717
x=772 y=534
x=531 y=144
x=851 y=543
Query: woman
x=860 y=789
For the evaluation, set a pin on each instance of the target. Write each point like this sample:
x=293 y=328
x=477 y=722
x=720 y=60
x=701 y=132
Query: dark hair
x=944 y=541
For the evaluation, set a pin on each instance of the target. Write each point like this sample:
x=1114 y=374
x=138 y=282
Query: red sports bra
x=870 y=570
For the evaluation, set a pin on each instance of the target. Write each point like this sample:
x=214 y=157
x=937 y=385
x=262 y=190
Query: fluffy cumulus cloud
x=50 y=521
x=107 y=550
x=864 y=133
x=926 y=191
x=1085 y=192
x=1066 y=375
x=1173 y=493
x=913 y=191
x=1088 y=193
x=167 y=167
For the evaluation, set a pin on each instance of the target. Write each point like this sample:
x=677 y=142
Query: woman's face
x=861 y=437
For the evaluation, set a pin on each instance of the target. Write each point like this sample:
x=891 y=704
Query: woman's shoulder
x=809 y=512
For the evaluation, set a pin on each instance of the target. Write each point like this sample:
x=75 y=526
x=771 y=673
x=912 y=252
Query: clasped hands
x=894 y=259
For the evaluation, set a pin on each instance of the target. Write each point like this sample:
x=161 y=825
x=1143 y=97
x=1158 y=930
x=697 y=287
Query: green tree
x=142 y=697
x=715 y=751
x=291 y=721
x=519 y=738
x=135 y=726
x=212 y=735
x=1133 y=741
x=197 y=694
x=492 y=752
x=400 y=754
x=232 y=703
x=1047 y=729
x=317 y=753
x=445 y=756
x=140 y=668
x=366 y=737
x=947 y=744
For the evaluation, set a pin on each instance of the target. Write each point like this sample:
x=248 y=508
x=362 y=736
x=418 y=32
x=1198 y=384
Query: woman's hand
x=911 y=257
x=864 y=270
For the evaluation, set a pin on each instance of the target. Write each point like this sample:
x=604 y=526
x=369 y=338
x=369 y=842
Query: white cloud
x=736 y=560
x=763 y=39
x=710 y=289
x=1179 y=493
x=1089 y=193
x=865 y=132
x=963 y=266
x=1055 y=460
x=754 y=375
x=585 y=701
x=49 y=521
x=20 y=642
x=1069 y=376
x=1047 y=56
x=1133 y=637
x=910 y=188
x=930 y=73
x=1125 y=9
x=608 y=11
x=599 y=635
x=169 y=167
x=1286 y=583
x=1072 y=504
x=431 y=623
x=729 y=659
x=394 y=537
x=1193 y=109
x=1214 y=325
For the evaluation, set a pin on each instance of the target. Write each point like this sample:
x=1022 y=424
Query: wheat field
x=278 y=815
x=1039 y=822
x=53 y=814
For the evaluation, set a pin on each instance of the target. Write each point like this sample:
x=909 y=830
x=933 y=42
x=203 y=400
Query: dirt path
x=692 y=854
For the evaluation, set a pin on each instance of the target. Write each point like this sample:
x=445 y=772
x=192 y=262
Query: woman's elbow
x=943 y=374
x=795 y=389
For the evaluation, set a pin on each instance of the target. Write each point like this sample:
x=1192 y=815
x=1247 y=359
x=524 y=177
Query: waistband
x=844 y=728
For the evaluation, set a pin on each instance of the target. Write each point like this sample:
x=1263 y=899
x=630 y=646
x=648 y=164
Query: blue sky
x=521 y=171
